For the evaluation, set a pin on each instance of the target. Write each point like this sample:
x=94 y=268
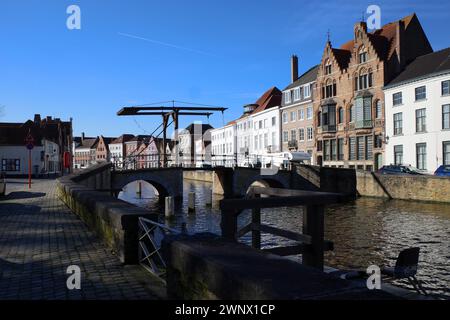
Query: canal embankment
x=368 y=184
x=403 y=187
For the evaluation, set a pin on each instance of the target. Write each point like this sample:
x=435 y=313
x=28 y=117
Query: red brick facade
x=349 y=99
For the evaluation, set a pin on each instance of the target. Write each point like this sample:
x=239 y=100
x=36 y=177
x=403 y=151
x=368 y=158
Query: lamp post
x=29 y=142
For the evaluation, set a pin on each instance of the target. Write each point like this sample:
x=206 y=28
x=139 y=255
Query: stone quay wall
x=114 y=221
x=407 y=187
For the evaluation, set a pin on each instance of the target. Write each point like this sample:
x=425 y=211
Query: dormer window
x=362 y=55
x=297 y=95
x=328 y=67
x=287 y=97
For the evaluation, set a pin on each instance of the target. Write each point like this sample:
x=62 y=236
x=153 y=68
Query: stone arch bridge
x=235 y=182
x=229 y=182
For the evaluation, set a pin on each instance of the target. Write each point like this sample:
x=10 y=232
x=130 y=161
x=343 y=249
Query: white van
x=283 y=159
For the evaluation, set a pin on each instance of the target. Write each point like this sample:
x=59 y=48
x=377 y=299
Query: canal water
x=368 y=231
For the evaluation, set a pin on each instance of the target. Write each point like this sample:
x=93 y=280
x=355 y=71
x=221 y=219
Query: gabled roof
x=108 y=140
x=430 y=64
x=307 y=77
x=122 y=139
x=139 y=138
x=271 y=98
x=88 y=143
x=14 y=134
x=192 y=127
x=383 y=41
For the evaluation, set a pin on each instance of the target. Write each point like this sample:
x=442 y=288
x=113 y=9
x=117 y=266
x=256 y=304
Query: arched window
x=327 y=67
x=340 y=115
x=362 y=55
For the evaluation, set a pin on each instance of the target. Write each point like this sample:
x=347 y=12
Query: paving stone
x=40 y=237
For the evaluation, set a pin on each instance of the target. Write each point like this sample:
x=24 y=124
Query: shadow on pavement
x=18 y=195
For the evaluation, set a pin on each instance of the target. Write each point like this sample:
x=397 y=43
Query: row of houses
x=50 y=142
x=141 y=151
x=380 y=98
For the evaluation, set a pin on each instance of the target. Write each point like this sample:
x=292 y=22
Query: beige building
x=297 y=115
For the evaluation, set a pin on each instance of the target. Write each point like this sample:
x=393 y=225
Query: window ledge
x=421 y=100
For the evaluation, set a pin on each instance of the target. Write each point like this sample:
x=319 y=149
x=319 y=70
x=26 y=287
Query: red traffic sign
x=29 y=141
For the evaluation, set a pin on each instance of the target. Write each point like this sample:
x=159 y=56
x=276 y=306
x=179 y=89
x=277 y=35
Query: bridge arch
x=168 y=182
x=245 y=177
x=265 y=181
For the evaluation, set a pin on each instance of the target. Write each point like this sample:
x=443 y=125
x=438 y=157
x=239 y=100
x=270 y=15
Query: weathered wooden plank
x=306 y=239
x=279 y=192
x=256 y=221
x=229 y=224
x=313 y=226
x=291 y=201
x=287 y=251
x=248 y=228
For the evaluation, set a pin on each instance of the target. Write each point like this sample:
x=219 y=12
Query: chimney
x=294 y=68
x=37 y=119
x=82 y=137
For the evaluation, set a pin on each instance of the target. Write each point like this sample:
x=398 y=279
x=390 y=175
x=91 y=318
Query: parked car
x=400 y=170
x=2 y=184
x=443 y=171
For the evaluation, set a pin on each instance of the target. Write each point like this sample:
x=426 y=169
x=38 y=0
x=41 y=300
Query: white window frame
x=309 y=113
x=287 y=96
x=307 y=91
x=297 y=94
x=310 y=133
x=301 y=114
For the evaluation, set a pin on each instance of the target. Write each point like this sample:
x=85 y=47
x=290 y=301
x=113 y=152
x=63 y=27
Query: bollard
x=169 y=209
x=139 y=190
x=208 y=198
x=191 y=202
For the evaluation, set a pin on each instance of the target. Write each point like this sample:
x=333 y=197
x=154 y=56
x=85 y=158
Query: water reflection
x=365 y=232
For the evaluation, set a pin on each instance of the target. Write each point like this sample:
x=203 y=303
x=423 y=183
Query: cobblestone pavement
x=40 y=237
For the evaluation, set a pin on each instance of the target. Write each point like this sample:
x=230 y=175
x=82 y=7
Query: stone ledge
x=206 y=266
x=113 y=220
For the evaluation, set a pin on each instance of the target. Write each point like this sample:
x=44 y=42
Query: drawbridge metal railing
x=151 y=235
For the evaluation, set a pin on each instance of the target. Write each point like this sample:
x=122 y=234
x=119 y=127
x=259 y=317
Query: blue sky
x=214 y=52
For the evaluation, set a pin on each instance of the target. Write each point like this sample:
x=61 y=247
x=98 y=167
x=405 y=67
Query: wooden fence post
x=256 y=221
x=313 y=225
x=229 y=224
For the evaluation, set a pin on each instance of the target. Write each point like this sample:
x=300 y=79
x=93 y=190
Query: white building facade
x=418 y=114
x=223 y=145
x=266 y=132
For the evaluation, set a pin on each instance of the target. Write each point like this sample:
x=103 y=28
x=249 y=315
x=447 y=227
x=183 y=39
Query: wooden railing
x=311 y=243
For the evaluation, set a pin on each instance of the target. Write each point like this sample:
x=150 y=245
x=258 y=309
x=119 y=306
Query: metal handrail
x=151 y=234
